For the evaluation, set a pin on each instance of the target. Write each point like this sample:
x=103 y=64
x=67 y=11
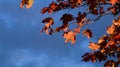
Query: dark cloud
x=22 y=45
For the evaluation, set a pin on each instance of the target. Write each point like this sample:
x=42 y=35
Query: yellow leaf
x=30 y=3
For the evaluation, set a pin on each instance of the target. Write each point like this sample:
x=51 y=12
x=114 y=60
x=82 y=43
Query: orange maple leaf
x=113 y=1
x=69 y=36
x=94 y=46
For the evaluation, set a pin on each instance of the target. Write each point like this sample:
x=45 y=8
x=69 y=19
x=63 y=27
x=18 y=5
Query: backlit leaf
x=28 y=3
x=94 y=46
x=87 y=33
x=69 y=37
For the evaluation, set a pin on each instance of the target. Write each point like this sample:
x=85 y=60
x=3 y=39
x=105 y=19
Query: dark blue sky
x=22 y=45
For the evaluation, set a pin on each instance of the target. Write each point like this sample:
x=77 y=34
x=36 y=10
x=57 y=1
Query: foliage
x=108 y=45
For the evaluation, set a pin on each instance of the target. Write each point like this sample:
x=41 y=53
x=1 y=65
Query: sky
x=22 y=45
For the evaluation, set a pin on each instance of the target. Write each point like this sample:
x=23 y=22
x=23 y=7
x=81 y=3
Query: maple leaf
x=87 y=33
x=101 y=40
x=94 y=46
x=110 y=43
x=117 y=37
x=63 y=4
x=67 y=18
x=58 y=29
x=28 y=3
x=92 y=6
x=64 y=27
x=22 y=3
x=49 y=21
x=110 y=63
x=111 y=29
x=93 y=58
x=113 y=1
x=53 y=5
x=86 y=57
x=81 y=17
x=100 y=56
x=44 y=10
x=113 y=10
x=80 y=24
x=116 y=22
x=79 y=2
x=77 y=30
x=89 y=56
x=69 y=36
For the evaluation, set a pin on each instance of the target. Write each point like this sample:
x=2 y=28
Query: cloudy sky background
x=22 y=45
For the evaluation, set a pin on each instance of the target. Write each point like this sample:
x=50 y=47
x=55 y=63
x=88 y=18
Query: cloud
x=26 y=58
x=22 y=45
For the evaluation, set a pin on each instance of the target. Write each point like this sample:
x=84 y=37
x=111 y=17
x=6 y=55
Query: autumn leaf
x=77 y=30
x=79 y=2
x=22 y=3
x=113 y=10
x=49 y=21
x=58 y=29
x=113 y=1
x=64 y=28
x=67 y=18
x=28 y=3
x=53 y=5
x=111 y=29
x=110 y=63
x=110 y=43
x=80 y=24
x=63 y=4
x=44 y=10
x=93 y=58
x=94 y=46
x=116 y=22
x=100 y=56
x=69 y=36
x=87 y=33
x=117 y=37
x=102 y=39
x=87 y=58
